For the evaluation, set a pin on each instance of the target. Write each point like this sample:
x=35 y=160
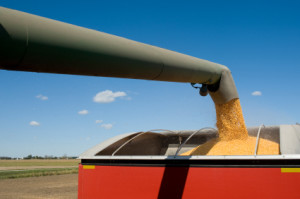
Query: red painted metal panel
x=80 y=181
x=184 y=182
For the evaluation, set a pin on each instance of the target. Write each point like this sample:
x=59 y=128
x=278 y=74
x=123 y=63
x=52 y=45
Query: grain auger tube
x=37 y=44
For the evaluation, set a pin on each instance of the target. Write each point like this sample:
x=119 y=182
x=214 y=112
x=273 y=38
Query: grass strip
x=28 y=163
x=36 y=173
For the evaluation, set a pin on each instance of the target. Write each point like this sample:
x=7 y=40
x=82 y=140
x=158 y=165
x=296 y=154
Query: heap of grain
x=233 y=136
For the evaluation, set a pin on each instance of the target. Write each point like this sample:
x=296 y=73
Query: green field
x=36 y=173
x=35 y=168
x=38 y=162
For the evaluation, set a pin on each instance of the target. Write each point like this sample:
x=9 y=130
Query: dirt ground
x=46 y=187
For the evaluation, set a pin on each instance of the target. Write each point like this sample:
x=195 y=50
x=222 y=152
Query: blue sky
x=258 y=40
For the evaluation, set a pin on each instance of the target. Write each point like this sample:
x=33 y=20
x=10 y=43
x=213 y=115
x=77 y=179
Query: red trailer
x=148 y=165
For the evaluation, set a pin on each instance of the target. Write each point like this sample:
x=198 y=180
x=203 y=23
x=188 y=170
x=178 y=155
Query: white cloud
x=99 y=121
x=107 y=126
x=83 y=112
x=42 y=97
x=34 y=123
x=256 y=93
x=128 y=98
x=108 y=96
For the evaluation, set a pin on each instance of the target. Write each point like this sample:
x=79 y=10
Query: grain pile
x=233 y=136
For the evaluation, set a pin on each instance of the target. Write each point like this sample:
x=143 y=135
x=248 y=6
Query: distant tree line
x=5 y=158
x=38 y=157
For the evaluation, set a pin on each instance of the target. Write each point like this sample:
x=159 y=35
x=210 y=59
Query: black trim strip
x=261 y=163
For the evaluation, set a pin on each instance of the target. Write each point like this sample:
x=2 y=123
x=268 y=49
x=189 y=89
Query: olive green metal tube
x=38 y=44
